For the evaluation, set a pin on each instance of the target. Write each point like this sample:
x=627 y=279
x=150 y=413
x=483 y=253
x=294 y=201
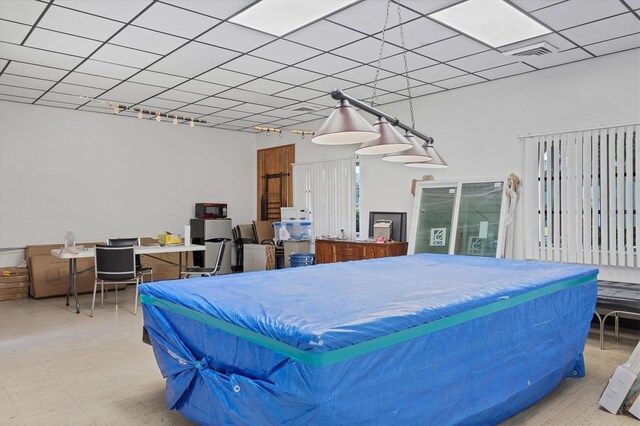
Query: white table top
x=75 y=253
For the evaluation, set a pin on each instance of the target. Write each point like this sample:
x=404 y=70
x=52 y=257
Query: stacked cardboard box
x=14 y=283
x=259 y=257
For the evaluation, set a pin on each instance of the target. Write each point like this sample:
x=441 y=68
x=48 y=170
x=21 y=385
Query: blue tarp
x=423 y=339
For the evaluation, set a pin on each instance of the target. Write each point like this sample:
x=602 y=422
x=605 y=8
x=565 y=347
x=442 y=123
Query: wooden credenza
x=330 y=251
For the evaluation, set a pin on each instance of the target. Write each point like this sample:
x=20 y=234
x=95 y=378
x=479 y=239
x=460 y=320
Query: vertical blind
x=328 y=190
x=581 y=202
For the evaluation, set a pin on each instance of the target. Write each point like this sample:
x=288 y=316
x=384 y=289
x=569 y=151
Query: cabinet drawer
x=349 y=250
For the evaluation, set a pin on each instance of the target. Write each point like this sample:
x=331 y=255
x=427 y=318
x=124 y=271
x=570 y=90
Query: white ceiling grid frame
x=567 y=56
x=452 y=48
x=605 y=29
x=577 y=12
x=35 y=71
x=12 y=32
x=125 y=56
x=131 y=93
x=216 y=9
x=147 y=40
x=78 y=23
x=200 y=57
x=325 y=35
x=368 y=17
x=505 y=71
x=63 y=43
x=22 y=81
x=252 y=65
x=89 y=80
x=615 y=45
x=235 y=37
x=35 y=56
x=225 y=77
x=396 y=64
x=417 y=33
x=296 y=76
x=72 y=89
x=367 y=50
x=300 y=93
x=286 y=52
x=25 y=12
x=463 y=80
x=482 y=61
x=436 y=73
x=263 y=85
x=201 y=87
x=122 y=11
x=106 y=69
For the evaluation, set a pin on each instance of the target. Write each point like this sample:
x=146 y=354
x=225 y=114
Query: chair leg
x=135 y=301
x=93 y=303
x=101 y=294
x=617 y=325
x=116 y=296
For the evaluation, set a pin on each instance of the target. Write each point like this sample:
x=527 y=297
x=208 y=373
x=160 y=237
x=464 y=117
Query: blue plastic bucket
x=302 y=259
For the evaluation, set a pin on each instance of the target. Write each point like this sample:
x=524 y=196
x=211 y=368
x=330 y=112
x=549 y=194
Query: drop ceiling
x=185 y=58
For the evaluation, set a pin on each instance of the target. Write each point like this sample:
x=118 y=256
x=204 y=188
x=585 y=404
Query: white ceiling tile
x=617 y=26
x=105 y=69
x=243 y=123
x=633 y=4
x=483 y=61
x=367 y=50
x=555 y=40
x=235 y=37
x=150 y=41
x=436 y=73
x=369 y=16
x=124 y=56
x=35 y=71
x=57 y=42
x=396 y=63
x=233 y=114
x=326 y=101
x=430 y=6
x=327 y=84
x=452 y=48
x=425 y=89
x=363 y=74
x=294 y=76
x=3 y=63
x=179 y=95
x=218 y=102
x=263 y=85
x=260 y=117
x=173 y=20
x=615 y=45
x=227 y=78
x=324 y=35
x=27 y=82
x=252 y=108
x=217 y=9
x=396 y=83
x=193 y=59
x=20 y=91
x=157 y=79
x=61 y=97
x=19 y=99
x=214 y=120
x=418 y=33
x=89 y=80
x=463 y=80
x=576 y=12
x=131 y=93
x=56 y=104
x=26 y=12
x=505 y=71
x=12 y=32
x=285 y=52
x=78 y=23
x=197 y=109
x=388 y=98
x=358 y=92
x=256 y=98
x=557 y=58
x=327 y=64
x=37 y=56
x=282 y=113
x=201 y=87
x=252 y=65
x=73 y=89
x=160 y=104
x=531 y=5
x=120 y=10
x=299 y=93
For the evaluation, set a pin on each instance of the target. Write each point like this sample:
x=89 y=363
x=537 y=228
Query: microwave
x=211 y=210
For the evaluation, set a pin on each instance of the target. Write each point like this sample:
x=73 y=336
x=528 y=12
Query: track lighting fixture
x=175 y=119
x=268 y=130
x=158 y=116
x=302 y=133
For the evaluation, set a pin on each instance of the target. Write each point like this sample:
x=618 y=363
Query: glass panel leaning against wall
x=464 y=218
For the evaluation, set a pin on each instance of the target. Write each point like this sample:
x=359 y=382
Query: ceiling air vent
x=303 y=108
x=538 y=49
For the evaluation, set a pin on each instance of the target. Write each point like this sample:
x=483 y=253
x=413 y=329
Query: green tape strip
x=327 y=358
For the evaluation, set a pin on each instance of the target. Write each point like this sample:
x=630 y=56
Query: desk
x=90 y=252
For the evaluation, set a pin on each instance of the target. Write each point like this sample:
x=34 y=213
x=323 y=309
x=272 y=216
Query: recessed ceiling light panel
x=280 y=17
x=493 y=22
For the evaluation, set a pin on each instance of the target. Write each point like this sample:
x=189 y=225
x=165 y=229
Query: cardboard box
x=17 y=284
x=10 y=272
x=162 y=269
x=15 y=279
x=50 y=275
x=617 y=388
x=259 y=257
x=23 y=294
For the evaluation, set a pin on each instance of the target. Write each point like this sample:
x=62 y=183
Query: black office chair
x=242 y=234
x=128 y=242
x=198 y=271
x=114 y=265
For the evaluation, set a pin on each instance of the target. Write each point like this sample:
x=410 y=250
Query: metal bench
x=616 y=298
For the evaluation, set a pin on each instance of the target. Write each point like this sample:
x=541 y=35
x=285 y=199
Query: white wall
x=476 y=128
x=105 y=176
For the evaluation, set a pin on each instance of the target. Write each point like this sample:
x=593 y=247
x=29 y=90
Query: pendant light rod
x=339 y=95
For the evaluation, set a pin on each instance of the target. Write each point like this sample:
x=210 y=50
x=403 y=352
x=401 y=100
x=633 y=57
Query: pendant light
x=415 y=154
x=436 y=161
x=390 y=140
x=344 y=127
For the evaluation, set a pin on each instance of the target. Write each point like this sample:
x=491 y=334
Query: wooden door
x=274 y=181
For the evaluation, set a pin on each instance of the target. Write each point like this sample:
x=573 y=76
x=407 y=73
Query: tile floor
x=59 y=368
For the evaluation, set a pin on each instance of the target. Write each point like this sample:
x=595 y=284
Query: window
x=328 y=190
x=583 y=207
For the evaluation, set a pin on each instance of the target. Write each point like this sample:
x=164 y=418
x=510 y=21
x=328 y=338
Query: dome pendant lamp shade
x=414 y=154
x=436 y=161
x=344 y=126
x=390 y=140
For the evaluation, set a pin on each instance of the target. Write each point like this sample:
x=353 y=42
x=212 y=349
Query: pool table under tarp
x=422 y=339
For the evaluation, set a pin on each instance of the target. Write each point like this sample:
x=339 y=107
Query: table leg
x=179 y=265
x=70 y=282
x=74 y=268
